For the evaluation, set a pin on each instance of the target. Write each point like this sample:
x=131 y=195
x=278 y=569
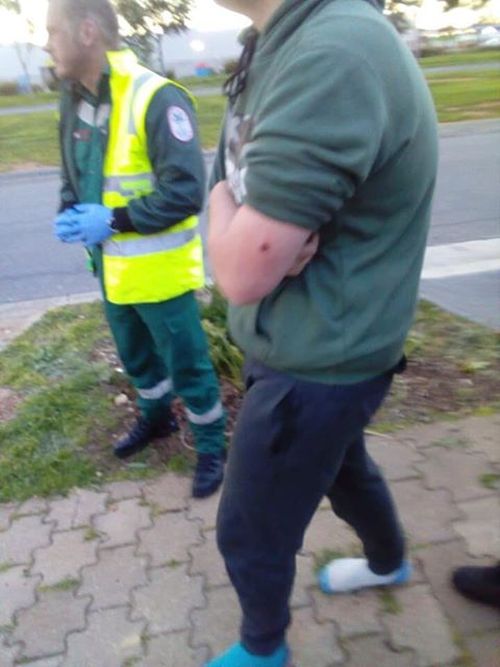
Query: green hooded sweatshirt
x=335 y=131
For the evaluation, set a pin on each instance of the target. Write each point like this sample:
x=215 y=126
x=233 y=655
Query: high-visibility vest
x=140 y=268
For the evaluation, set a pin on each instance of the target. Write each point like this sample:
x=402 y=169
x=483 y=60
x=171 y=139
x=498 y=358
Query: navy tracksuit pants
x=294 y=443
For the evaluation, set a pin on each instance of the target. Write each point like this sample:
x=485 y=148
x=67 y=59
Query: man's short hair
x=102 y=11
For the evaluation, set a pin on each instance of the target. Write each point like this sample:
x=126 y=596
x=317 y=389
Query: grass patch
x=324 y=557
x=210 y=114
x=31 y=139
x=453 y=371
x=91 y=534
x=6 y=566
x=64 y=585
x=10 y=101
x=389 y=602
x=466 y=95
x=28 y=140
x=472 y=57
x=194 y=82
x=64 y=369
x=490 y=481
x=180 y=464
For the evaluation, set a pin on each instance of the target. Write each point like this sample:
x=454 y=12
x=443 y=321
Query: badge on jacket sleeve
x=180 y=124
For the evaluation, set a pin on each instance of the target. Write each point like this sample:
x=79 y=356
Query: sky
x=206 y=16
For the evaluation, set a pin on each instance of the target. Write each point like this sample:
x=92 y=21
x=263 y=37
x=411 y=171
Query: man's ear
x=89 y=32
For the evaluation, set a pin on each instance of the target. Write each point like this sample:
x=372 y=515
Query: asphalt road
x=33 y=265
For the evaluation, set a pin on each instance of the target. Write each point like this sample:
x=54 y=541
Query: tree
x=149 y=20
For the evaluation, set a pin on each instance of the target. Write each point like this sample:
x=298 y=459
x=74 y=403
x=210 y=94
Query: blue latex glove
x=84 y=223
x=65 y=227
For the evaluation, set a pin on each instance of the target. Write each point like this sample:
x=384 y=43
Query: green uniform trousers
x=164 y=350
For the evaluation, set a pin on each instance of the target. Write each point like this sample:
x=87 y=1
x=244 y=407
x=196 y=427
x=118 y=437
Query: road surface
x=465 y=277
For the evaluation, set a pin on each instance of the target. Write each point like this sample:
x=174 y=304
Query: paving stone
x=481 y=526
x=426 y=515
x=205 y=509
x=485 y=649
x=446 y=434
x=34 y=505
x=483 y=433
x=168 y=599
x=122 y=521
x=379 y=652
x=169 y=539
x=111 y=579
x=208 y=561
x=304 y=581
x=311 y=643
x=328 y=532
x=422 y=627
x=65 y=557
x=438 y=562
x=17 y=591
x=43 y=628
x=218 y=625
x=110 y=640
x=354 y=614
x=8 y=655
x=22 y=538
x=123 y=490
x=395 y=458
x=169 y=492
x=77 y=509
x=456 y=470
x=6 y=512
x=173 y=650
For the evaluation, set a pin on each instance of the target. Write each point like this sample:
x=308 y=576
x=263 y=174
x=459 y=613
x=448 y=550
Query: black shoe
x=481 y=584
x=143 y=431
x=208 y=474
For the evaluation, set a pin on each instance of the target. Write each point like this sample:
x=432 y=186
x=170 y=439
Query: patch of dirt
x=9 y=403
x=434 y=388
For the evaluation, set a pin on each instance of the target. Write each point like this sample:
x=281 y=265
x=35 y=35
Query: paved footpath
x=128 y=574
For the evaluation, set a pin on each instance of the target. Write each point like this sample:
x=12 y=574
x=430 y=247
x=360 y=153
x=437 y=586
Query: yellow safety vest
x=141 y=268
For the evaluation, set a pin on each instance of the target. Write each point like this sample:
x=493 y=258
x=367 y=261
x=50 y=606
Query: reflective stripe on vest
x=141 y=268
x=146 y=245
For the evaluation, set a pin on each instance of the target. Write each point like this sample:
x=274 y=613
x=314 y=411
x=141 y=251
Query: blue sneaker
x=238 y=656
x=346 y=575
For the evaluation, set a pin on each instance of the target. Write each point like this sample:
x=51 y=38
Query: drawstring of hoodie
x=235 y=84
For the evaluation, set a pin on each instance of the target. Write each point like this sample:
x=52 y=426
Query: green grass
x=27 y=100
x=473 y=57
x=389 y=602
x=63 y=371
x=28 y=140
x=466 y=95
x=31 y=139
x=64 y=585
x=210 y=115
x=66 y=404
x=490 y=481
x=194 y=82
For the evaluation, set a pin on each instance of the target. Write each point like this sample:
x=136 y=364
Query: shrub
x=8 y=88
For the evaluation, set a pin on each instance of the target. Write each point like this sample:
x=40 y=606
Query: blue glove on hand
x=85 y=223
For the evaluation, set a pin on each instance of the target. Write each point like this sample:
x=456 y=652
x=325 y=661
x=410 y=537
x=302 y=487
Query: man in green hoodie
x=319 y=215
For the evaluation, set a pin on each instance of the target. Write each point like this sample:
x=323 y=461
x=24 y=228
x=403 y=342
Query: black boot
x=208 y=474
x=481 y=584
x=143 y=431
